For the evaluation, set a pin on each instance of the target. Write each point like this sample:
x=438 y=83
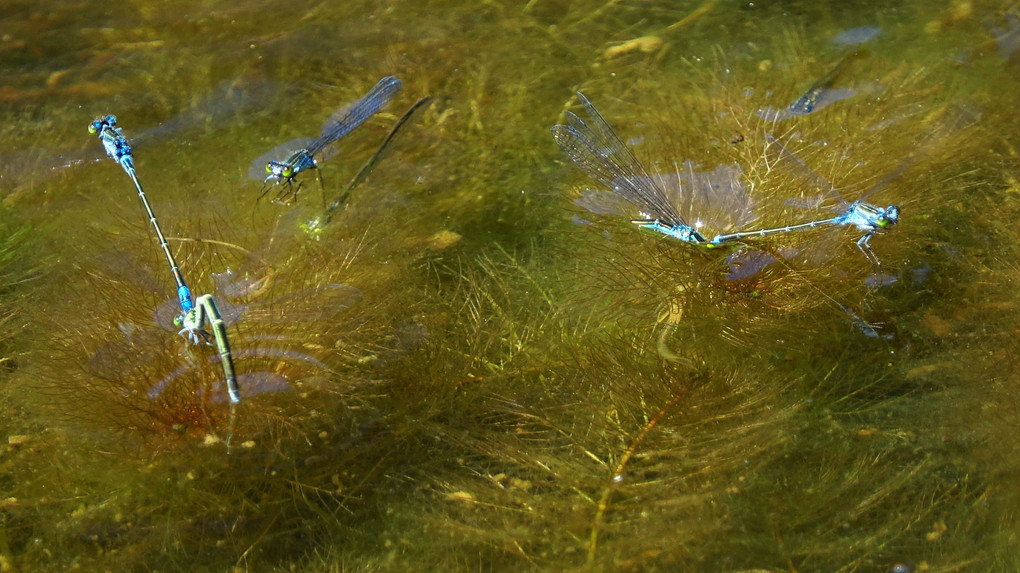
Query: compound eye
x=269 y=167
x=891 y=215
x=288 y=172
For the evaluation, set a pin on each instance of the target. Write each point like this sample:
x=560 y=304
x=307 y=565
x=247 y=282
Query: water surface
x=455 y=374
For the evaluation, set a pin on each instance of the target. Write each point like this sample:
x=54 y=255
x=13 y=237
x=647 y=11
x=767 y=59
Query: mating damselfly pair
x=195 y=315
x=596 y=148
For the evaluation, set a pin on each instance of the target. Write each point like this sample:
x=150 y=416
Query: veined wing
x=950 y=122
x=779 y=155
x=601 y=153
x=356 y=114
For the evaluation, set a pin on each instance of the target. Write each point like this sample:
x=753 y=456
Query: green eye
x=269 y=167
x=179 y=320
x=288 y=172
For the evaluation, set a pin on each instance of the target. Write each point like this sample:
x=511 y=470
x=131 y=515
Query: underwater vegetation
x=472 y=358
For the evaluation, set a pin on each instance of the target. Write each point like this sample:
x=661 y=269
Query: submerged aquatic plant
x=583 y=445
x=15 y=271
x=136 y=373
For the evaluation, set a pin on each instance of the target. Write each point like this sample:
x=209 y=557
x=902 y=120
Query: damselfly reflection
x=819 y=96
x=822 y=93
x=744 y=264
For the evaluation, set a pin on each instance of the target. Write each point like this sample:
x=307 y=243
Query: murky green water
x=466 y=371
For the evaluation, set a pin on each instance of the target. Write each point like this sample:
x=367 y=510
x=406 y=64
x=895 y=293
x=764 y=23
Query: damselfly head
x=278 y=170
x=890 y=217
x=100 y=123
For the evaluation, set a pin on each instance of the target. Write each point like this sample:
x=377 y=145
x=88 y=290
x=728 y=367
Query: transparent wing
x=356 y=114
x=600 y=153
x=309 y=305
x=856 y=36
x=951 y=121
x=780 y=156
x=602 y=202
x=714 y=200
